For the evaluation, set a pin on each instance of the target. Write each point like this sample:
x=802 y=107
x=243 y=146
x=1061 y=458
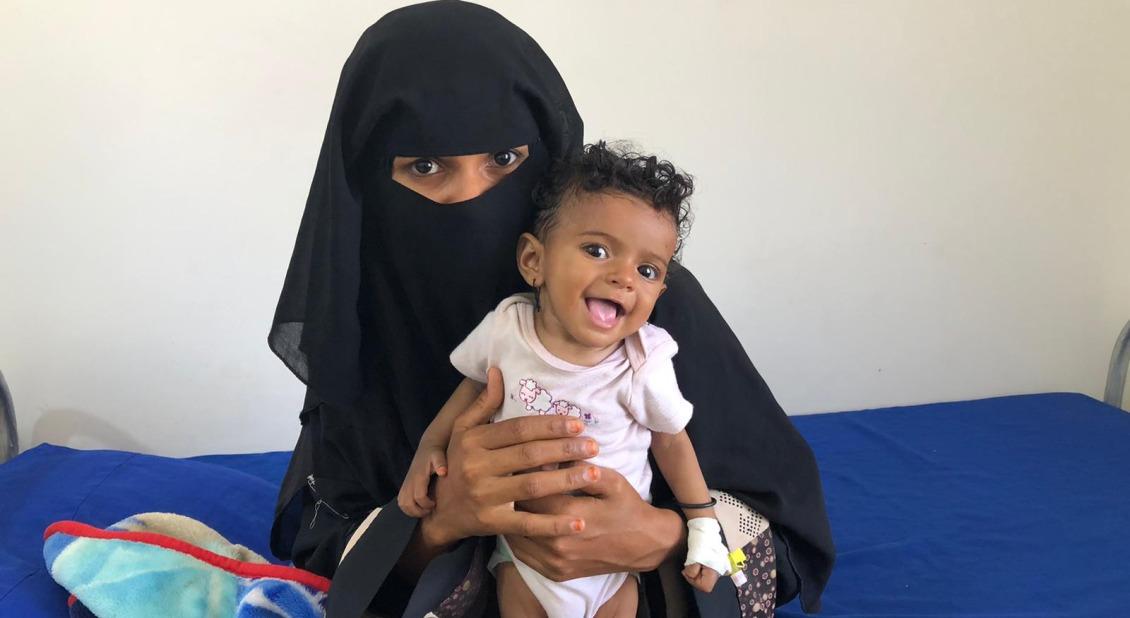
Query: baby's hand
x=707 y=557
x=702 y=578
x=413 y=498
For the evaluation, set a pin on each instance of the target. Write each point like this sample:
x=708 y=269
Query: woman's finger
x=538 y=453
x=484 y=406
x=528 y=524
x=538 y=484
x=607 y=485
x=549 y=504
x=527 y=429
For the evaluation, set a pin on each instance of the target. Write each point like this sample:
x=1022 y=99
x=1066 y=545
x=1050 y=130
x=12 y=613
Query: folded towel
x=162 y=564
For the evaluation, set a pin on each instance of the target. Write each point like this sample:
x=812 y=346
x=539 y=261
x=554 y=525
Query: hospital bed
x=1005 y=507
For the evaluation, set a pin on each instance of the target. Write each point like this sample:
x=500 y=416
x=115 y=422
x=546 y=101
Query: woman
x=444 y=117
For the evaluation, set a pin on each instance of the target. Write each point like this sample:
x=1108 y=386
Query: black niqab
x=384 y=283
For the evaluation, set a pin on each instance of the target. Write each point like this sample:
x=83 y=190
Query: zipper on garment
x=318 y=502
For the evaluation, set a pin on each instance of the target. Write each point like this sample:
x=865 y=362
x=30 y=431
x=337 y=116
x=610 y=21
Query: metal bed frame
x=1115 y=390
x=1119 y=363
x=9 y=440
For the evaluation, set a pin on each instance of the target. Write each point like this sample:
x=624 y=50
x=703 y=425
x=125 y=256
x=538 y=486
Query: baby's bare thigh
x=515 y=600
x=623 y=603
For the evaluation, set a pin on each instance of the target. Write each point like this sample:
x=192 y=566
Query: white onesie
x=621 y=400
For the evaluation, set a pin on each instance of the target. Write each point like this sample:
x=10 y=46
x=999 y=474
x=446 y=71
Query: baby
x=608 y=227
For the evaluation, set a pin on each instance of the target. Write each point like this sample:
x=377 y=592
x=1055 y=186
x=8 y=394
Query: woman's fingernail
x=590 y=447
x=577 y=525
x=590 y=473
x=575 y=426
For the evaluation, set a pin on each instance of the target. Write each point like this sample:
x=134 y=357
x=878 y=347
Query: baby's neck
x=559 y=343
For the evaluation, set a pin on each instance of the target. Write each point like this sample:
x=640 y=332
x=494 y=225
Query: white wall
x=899 y=201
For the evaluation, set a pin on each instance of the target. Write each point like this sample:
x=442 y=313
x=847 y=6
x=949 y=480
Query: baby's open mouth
x=604 y=312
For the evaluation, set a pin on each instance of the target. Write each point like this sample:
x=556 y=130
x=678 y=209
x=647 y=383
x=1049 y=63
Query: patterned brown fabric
x=757 y=598
x=467 y=594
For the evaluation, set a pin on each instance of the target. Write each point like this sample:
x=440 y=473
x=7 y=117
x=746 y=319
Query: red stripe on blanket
x=231 y=565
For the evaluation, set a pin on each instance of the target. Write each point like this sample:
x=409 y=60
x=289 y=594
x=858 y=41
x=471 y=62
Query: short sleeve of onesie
x=656 y=402
x=472 y=357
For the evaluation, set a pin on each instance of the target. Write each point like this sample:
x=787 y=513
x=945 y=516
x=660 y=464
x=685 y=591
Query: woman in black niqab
x=384 y=283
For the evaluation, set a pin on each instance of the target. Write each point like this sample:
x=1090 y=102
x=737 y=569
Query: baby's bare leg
x=623 y=603
x=514 y=597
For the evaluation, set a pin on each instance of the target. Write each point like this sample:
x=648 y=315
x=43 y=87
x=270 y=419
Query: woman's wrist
x=417 y=555
x=434 y=537
x=669 y=535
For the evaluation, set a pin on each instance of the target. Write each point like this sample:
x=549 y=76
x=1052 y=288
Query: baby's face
x=605 y=262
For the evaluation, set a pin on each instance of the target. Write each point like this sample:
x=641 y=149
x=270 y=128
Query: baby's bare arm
x=431 y=454
x=676 y=458
x=438 y=433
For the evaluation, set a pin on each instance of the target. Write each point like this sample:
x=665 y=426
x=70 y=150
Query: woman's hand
x=622 y=532
x=476 y=496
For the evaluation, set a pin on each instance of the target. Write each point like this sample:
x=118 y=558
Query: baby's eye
x=649 y=272
x=424 y=167
x=505 y=158
x=597 y=251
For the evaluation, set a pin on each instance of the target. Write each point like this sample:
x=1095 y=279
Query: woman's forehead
x=446 y=86
x=423 y=124
x=451 y=79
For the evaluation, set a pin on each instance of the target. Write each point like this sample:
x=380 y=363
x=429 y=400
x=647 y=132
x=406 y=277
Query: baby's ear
x=530 y=252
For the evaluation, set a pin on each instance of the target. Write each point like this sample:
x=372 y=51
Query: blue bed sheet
x=1007 y=507
x=234 y=494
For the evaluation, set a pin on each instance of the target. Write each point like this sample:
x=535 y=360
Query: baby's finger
x=698 y=584
x=438 y=462
x=421 y=497
x=691 y=571
x=408 y=507
x=708 y=578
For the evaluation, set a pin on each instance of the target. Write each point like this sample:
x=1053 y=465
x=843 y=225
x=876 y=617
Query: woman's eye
x=649 y=272
x=596 y=251
x=505 y=158
x=424 y=167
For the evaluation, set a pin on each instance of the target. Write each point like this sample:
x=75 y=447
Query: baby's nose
x=622 y=276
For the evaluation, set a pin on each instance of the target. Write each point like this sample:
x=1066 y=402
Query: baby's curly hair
x=616 y=168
